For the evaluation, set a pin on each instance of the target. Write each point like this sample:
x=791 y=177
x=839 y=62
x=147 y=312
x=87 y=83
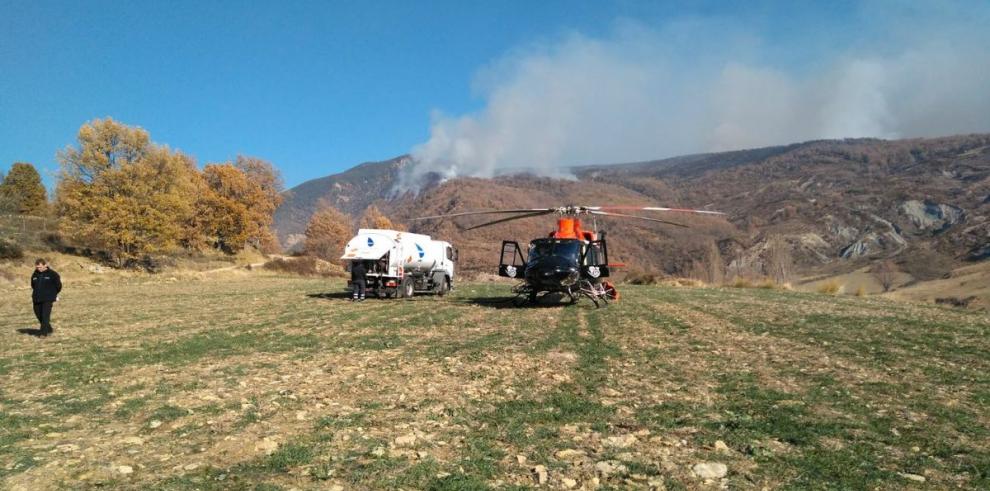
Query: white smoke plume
x=708 y=85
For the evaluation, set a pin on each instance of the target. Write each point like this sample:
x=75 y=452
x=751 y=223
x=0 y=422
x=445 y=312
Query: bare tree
x=715 y=270
x=778 y=265
x=885 y=272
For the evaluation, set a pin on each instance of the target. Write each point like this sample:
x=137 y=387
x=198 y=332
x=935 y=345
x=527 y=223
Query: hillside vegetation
x=259 y=381
x=814 y=208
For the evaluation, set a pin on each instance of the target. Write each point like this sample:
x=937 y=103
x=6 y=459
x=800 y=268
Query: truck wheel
x=440 y=285
x=407 y=288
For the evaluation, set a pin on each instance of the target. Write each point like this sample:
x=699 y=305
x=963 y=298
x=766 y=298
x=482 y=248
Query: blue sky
x=317 y=87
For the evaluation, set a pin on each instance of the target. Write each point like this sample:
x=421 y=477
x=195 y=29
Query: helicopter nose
x=570 y=276
x=561 y=275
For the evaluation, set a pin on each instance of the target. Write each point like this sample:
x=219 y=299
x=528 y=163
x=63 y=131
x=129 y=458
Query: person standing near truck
x=359 y=278
x=45 y=287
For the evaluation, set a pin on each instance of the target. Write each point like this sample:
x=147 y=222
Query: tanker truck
x=400 y=264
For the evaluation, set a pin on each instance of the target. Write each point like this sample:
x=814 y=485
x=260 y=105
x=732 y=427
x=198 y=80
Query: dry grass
x=305 y=266
x=261 y=381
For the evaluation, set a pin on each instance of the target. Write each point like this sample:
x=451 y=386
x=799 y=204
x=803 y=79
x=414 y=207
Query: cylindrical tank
x=413 y=252
x=417 y=252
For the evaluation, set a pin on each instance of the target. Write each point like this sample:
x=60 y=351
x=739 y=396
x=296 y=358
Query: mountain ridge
x=826 y=205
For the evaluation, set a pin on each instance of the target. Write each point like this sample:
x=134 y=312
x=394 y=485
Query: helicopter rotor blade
x=466 y=213
x=654 y=208
x=605 y=213
x=517 y=217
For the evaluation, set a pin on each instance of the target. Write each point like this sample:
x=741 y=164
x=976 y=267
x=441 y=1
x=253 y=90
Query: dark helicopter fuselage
x=554 y=264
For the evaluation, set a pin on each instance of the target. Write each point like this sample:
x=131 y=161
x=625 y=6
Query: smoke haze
x=702 y=85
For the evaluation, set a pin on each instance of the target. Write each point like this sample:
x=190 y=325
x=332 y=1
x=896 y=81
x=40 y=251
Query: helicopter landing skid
x=596 y=292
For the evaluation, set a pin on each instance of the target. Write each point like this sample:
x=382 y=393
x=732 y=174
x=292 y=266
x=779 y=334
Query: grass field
x=264 y=382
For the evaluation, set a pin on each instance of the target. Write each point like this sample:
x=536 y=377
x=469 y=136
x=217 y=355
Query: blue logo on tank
x=371 y=243
x=421 y=251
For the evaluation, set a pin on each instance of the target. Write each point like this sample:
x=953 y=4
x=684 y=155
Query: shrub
x=305 y=266
x=642 y=278
x=10 y=250
x=741 y=282
x=54 y=241
x=860 y=292
x=151 y=264
x=955 y=301
x=830 y=287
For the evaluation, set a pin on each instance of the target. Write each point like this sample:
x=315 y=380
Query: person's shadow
x=32 y=332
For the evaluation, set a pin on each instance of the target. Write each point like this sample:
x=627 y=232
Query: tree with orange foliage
x=374 y=218
x=327 y=233
x=119 y=193
x=268 y=178
x=233 y=209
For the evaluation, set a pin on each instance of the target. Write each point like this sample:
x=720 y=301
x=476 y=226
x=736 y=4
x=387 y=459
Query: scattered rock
x=125 y=469
x=621 y=441
x=540 y=474
x=610 y=467
x=720 y=446
x=301 y=415
x=912 y=477
x=406 y=441
x=154 y=424
x=68 y=447
x=192 y=467
x=521 y=459
x=266 y=445
x=378 y=452
x=657 y=483
x=570 y=454
x=710 y=470
x=569 y=483
x=133 y=440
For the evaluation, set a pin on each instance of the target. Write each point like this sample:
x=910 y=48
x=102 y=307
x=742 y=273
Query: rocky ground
x=259 y=381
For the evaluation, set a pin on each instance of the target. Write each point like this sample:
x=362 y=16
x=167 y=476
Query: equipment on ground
x=570 y=261
x=400 y=264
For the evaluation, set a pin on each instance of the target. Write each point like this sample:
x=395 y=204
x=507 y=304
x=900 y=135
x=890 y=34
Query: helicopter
x=570 y=261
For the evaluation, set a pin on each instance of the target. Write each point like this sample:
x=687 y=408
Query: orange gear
x=610 y=291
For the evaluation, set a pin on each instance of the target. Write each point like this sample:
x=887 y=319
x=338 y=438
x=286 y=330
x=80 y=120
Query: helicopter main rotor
x=572 y=210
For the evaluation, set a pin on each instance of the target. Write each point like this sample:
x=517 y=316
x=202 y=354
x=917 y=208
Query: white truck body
x=402 y=262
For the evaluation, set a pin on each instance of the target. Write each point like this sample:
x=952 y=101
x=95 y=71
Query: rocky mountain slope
x=811 y=208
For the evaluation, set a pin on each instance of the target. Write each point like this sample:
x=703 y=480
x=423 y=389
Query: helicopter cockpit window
x=559 y=248
x=594 y=255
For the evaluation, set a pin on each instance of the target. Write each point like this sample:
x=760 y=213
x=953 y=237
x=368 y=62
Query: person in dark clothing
x=359 y=272
x=45 y=285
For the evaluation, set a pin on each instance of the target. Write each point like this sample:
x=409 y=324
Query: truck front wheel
x=440 y=284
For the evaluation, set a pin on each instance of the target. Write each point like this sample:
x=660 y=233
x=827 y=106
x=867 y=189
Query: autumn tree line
x=124 y=196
